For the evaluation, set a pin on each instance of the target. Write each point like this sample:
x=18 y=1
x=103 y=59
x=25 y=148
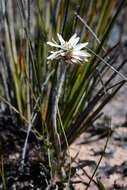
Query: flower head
x=70 y=51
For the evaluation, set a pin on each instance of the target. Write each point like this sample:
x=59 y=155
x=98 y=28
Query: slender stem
x=106 y=63
x=55 y=99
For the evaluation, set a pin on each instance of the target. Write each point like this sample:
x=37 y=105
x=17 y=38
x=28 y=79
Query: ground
x=112 y=170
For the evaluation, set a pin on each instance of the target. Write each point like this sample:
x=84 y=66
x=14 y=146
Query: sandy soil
x=113 y=168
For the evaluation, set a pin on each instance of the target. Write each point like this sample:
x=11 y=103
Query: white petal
x=80 y=46
x=53 y=56
x=54 y=41
x=60 y=51
x=72 y=38
x=61 y=39
x=75 y=41
x=86 y=60
x=53 y=44
x=86 y=53
x=74 y=60
x=62 y=54
x=77 y=57
x=81 y=53
x=78 y=53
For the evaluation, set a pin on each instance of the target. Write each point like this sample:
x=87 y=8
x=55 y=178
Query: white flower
x=70 y=51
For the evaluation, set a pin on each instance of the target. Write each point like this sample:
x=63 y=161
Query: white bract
x=70 y=51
